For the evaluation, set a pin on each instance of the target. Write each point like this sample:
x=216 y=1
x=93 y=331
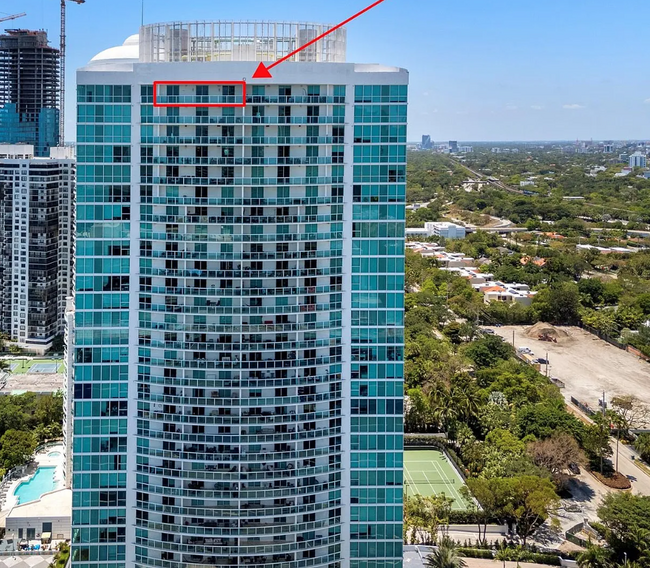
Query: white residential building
x=495 y=291
x=446 y=230
x=638 y=160
x=37 y=207
x=473 y=275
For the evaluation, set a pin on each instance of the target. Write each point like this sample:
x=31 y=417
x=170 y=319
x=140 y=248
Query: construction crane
x=12 y=17
x=62 y=74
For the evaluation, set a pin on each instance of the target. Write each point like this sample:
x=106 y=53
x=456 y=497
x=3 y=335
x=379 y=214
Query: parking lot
x=586 y=364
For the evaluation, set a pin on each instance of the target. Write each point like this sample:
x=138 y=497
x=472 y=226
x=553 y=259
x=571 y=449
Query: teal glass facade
x=377 y=347
x=41 y=129
x=101 y=349
x=29 y=90
x=239 y=324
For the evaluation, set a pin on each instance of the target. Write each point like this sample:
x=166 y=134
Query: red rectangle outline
x=193 y=105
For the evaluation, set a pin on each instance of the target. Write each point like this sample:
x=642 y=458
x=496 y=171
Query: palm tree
x=445 y=556
x=594 y=557
x=642 y=445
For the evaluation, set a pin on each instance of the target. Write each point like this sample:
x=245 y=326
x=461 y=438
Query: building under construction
x=29 y=90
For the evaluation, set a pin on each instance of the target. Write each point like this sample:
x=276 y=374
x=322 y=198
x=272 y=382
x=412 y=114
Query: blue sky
x=480 y=70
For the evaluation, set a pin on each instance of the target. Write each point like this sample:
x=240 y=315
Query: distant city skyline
x=479 y=72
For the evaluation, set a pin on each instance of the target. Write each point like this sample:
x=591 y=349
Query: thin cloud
x=573 y=107
x=511 y=107
x=537 y=107
x=647 y=101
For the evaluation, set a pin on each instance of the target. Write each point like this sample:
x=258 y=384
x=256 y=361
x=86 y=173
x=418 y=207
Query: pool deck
x=43 y=383
x=42 y=459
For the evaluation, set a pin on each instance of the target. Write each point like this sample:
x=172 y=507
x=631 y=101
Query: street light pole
x=547 y=363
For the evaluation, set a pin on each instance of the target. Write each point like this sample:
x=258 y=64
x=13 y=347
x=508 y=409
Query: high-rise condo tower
x=237 y=357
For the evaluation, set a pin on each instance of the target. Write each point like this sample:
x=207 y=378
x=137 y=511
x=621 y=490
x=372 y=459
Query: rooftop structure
x=41 y=383
x=239 y=41
x=29 y=90
x=52 y=511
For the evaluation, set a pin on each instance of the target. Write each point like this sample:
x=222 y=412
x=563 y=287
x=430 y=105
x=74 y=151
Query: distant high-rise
x=237 y=388
x=453 y=146
x=36 y=212
x=29 y=90
x=638 y=160
x=427 y=143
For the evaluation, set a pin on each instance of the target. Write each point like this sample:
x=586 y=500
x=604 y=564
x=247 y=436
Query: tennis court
x=24 y=365
x=429 y=472
x=44 y=368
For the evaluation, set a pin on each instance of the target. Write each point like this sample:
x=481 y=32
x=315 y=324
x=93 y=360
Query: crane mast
x=62 y=74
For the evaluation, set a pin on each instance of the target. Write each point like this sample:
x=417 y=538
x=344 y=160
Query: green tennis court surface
x=23 y=366
x=429 y=472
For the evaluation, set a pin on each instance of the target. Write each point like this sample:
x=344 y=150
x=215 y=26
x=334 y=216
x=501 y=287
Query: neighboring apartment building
x=29 y=90
x=638 y=160
x=37 y=209
x=238 y=342
x=446 y=230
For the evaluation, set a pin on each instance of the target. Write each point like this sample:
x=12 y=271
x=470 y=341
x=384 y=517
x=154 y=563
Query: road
x=640 y=480
x=496 y=183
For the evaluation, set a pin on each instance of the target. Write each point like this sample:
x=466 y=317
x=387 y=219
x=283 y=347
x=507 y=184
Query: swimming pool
x=42 y=482
x=53 y=454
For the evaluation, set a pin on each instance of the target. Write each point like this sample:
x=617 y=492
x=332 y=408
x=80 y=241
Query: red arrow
x=263 y=71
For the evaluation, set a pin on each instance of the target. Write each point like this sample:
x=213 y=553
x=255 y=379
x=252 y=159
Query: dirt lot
x=587 y=365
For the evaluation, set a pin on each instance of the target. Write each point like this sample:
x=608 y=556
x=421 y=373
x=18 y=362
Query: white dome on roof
x=132 y=40
x=130 y=49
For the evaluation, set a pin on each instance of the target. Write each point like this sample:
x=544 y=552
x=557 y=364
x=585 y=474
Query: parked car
x=489 y=331
x=574 y=468
x=542 y=361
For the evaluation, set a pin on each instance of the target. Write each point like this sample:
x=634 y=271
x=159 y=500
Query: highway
x=491 y=181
